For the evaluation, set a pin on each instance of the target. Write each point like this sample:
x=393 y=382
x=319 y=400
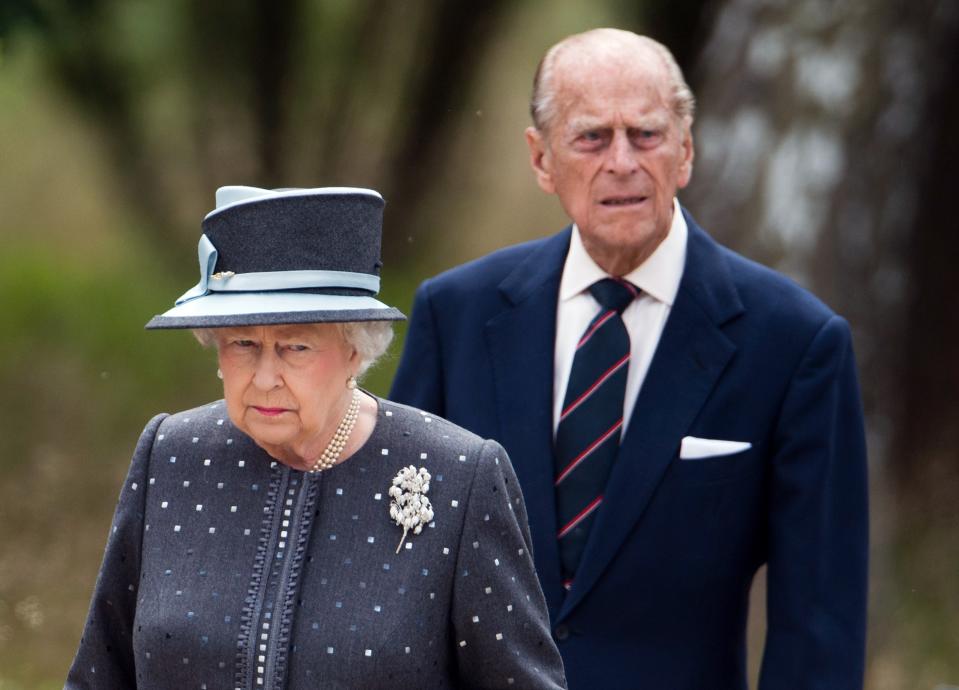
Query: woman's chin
x=271 y=433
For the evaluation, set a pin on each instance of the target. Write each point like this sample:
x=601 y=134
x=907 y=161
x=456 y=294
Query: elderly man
x=677 y=415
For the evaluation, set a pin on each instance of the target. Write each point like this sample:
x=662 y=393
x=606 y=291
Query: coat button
x=561 y=632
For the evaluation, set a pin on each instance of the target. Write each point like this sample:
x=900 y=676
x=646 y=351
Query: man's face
x=614 y=154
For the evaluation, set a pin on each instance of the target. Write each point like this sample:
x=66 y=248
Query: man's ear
x=686 y=166
x=539 y=159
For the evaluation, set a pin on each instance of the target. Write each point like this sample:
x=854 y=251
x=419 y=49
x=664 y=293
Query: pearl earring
x=219 y=374
x=351 y=383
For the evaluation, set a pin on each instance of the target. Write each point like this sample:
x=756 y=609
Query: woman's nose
x=268 y=374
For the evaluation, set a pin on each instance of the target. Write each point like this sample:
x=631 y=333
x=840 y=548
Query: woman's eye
x=244 y=343
x=297 y=348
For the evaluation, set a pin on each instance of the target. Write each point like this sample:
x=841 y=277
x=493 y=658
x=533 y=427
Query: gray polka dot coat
x=226 y=569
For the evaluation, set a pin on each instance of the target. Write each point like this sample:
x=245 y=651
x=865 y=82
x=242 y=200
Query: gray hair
x=370 y=339
x=542 y=106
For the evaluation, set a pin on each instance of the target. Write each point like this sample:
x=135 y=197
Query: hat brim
x=217 y=310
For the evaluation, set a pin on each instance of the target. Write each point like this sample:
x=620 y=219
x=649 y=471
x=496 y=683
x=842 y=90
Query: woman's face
x=285 y=386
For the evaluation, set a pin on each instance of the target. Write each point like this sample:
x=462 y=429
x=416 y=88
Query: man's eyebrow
x=582 y=124
x=650 y=121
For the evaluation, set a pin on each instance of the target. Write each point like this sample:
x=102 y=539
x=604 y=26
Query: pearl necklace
x=342 y=434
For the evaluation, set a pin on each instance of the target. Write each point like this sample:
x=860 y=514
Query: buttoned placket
x=268 y=622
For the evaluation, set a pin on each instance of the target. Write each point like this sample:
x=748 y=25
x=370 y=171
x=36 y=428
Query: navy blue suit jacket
x=661 y=597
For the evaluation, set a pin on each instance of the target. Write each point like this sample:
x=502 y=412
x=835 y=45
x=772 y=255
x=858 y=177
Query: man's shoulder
x=761 y=285
x=771 y=296
x=727 y=284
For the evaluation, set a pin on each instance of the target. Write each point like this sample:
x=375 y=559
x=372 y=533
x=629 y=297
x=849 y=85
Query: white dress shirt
x=658 y=280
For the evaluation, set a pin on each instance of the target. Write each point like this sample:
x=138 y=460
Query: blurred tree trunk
x=681 y=25
x=278 y=93
x=826 y=147
x=928 y=366
x=92 y=74
x=271 y=69
x=451 y=55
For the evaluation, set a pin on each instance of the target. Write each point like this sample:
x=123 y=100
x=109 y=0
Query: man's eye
x=647 y=136
x=592 y=137
x=589 y=140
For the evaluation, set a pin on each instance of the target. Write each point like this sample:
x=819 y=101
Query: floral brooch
x=410 y=508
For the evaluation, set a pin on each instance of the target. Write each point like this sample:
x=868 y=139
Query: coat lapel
x=689 y=358
x=520 y=341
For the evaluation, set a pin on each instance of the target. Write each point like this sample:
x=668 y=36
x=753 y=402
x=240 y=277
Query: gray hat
x=286 y=256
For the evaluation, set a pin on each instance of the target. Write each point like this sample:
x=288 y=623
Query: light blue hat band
x=271 y=280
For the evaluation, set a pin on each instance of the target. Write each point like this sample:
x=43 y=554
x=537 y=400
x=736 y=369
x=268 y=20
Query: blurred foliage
x=117 y=122
x=187 y=96
x=118 y=119
x=76 y=362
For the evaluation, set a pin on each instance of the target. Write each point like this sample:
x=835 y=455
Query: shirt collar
x=658 y=276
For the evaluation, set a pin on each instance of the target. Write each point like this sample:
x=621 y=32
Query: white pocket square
x=693 y=448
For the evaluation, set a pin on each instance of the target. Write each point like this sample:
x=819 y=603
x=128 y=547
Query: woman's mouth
x=270 y=411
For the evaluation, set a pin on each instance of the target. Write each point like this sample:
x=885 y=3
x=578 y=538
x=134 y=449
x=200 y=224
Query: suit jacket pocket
x=716 y=469
x=695 y=448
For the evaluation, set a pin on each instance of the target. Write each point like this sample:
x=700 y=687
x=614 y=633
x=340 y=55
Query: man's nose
x=268 y=374
x=621 y=158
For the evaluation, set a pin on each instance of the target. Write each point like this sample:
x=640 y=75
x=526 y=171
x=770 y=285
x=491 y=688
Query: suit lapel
x=520 y=341
x=689 y=359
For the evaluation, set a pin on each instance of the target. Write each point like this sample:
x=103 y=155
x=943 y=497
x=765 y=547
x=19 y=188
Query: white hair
x=542 y=104
x=370 y=339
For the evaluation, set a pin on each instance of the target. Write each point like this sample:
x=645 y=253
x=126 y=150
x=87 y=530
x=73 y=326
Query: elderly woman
x=302 y=533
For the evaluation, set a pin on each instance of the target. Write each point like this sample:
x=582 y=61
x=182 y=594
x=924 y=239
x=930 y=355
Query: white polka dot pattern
x=229 y=570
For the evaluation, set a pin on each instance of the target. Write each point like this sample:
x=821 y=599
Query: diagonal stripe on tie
x=607 y=435
x=596 y=324
x=590 y=424
x=599 y=382
x=582 y=515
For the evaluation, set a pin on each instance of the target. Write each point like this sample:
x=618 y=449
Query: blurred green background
x=826 y=147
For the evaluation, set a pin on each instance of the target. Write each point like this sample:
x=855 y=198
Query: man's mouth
x=622 y=200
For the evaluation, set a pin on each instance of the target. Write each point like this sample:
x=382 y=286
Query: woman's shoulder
x=415 y=437
x=193 y=426
x=425 y=428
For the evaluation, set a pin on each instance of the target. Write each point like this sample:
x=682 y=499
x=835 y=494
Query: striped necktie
x=588 y=434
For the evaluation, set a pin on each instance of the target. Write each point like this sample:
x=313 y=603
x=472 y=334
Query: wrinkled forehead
x=631 y=95
x=578 y=120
